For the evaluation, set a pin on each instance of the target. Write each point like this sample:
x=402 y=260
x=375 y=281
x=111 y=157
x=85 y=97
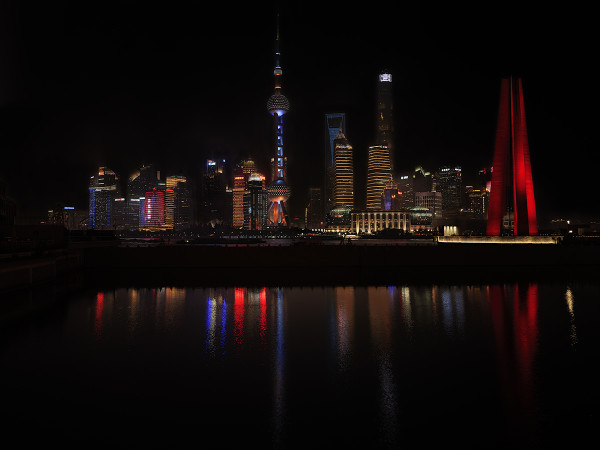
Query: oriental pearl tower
x=278 y=190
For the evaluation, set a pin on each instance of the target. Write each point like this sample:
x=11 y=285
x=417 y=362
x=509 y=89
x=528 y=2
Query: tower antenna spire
x=278 y=191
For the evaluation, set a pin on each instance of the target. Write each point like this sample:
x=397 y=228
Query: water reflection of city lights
x=570 y=304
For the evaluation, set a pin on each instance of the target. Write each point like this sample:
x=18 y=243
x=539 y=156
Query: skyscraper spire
x=278 y=190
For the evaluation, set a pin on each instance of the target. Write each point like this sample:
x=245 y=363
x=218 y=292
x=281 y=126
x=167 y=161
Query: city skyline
x=112 y=90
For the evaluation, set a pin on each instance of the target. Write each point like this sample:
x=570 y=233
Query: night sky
x=121 y=84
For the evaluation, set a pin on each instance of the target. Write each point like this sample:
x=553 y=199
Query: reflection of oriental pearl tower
x=278 y=191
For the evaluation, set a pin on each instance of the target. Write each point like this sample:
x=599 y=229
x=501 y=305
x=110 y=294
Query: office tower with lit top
x=379 y=174
x=138 y=184
x=384 y=128
x=449 y=183
x=343 y=192
x=333 y=123
x=215 y=202
x=241 y=175
x=178 y=214
x=256 y=203
x=278 y=190
x=103 y=189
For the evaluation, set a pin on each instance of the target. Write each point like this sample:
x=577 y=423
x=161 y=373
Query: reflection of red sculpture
x=515 y=325
x=238 y=315
x=512 y=183
x=98 y=317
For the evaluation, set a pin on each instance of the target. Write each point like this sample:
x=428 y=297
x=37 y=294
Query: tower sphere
x=278 y=191
x=278 y=104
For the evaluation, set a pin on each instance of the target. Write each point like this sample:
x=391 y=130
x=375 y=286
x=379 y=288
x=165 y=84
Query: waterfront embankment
x=337 y=264
x=308 y=264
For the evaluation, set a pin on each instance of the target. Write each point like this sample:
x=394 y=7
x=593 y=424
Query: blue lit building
x=103 y=190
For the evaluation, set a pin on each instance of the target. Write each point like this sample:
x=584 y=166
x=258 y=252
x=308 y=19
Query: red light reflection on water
x=98 y=315
x=238 y=316
x=263 y=314
x=516 y=346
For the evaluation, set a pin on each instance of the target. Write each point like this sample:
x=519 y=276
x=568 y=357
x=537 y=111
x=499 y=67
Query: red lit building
x=154 y=208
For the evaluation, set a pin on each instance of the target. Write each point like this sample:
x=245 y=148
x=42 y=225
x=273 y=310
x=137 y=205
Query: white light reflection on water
x=381 y=318
x=571 y=305
x=453 y=311
x=405 y=309
x=344 y=320
x=211 y=324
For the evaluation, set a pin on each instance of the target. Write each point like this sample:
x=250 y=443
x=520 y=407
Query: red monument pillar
x=512 y=184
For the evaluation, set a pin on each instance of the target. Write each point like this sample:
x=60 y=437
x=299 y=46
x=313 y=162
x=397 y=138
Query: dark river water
x=467 y=366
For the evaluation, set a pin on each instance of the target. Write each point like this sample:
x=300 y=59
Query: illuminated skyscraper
x=511 y=191
x=343 y=192
x=333 y=123
x=154 y=209
x=379 y=173
x=178 y=212
x=138 y=184
x=383 y=125
x=103 y=189
x=278 y=190
x=449 y=183
x=240 y=178
x=256 y=203
x=119 y=213
x=477 y=201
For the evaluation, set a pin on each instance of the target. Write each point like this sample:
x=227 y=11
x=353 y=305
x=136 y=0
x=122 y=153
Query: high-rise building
x=431 y=201
x=391 y=198
x=449 y=183
x=422 y=180
x=75 y=219
x=379 y=173
x=154 y=209
x=214 y=205
x=239 y=188
x=477 y=201
x=138 y=184
x=178 y=209
x=314 y=214
x=256 y=203
x=103 y=189
x=240 y=178
x=511 y=191
x=278 y=190
x=384 y=120
x=333 y=123
x=405 y=183
x=411 y=182
x=119 y=213
x=343 y=192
